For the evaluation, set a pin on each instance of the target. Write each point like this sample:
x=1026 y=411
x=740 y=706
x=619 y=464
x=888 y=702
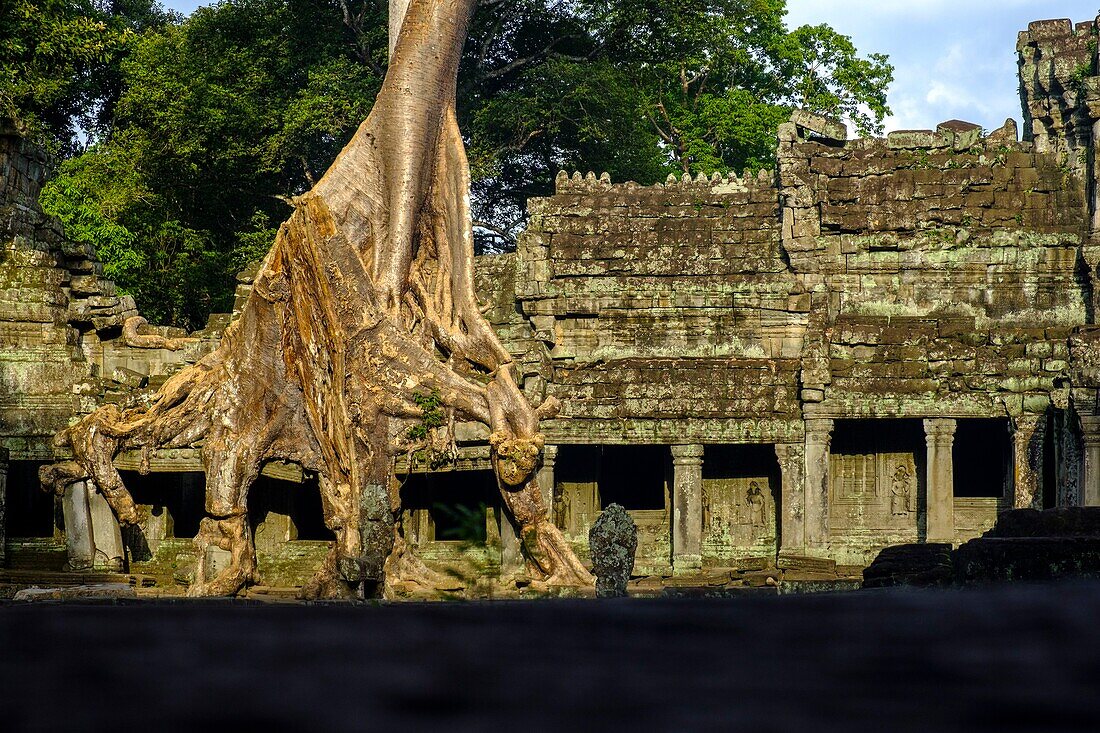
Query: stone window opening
x=287 y=511
x=636 y=477
x=170 y=506
x=982 y=456
x=741 y=505
x=453 y=507
x=175 y=499
x=878 y=481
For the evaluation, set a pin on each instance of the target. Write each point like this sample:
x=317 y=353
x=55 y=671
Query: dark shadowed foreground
x=1014 y=658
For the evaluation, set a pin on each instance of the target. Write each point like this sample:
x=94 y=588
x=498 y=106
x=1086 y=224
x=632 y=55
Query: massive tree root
x=365 y=302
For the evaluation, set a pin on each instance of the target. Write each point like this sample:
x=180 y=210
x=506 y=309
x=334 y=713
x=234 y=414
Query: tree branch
x=528 y=60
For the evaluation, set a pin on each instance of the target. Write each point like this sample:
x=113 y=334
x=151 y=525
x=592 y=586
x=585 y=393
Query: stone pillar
x=1090 y=431
x=79 y=542
x=3 y=500
x=1069 y=460
x=1028 y=441
x=939 y=435
x=792 y=501
x=546 y=475
x=106 y=534
x=687 y=509
x=819 y=437
x=511 y=554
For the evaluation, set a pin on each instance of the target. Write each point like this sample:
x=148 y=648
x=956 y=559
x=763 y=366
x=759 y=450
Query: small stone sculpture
x=613 y=540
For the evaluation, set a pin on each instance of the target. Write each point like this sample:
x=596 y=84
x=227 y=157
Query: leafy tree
x=650 y=87
x=59 y=63
x=219 y=120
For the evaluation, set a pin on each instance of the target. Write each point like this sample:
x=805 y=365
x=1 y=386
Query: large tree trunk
x=365 y=303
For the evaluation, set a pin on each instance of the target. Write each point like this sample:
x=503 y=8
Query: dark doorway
x=301 y=502
x=740 y=461
x=29 y=509
x=857 y=437
x=634 y=476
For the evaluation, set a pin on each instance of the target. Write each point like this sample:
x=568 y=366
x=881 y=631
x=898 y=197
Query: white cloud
x=952 y=58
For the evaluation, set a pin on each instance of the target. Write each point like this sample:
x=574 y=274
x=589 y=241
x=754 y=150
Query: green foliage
x=642 y=88
x=220 y=121
x=431 y=407
x=202 y=129
x=467 y=523
x=59 y=63
x=174 y=271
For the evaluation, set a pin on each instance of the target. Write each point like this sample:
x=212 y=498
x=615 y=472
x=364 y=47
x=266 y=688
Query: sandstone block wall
x=648 y=298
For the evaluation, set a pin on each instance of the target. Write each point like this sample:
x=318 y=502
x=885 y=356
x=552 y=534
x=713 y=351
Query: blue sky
x=954 y=59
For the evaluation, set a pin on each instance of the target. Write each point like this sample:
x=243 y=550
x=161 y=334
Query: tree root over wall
x=365 y=303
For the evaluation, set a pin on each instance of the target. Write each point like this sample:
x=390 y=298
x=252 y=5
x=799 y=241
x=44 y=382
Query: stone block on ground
x=613 y=542
x=1065 y=522
x=921 y=566
x=95 y=592
x=806 y=564
x=1034 y=559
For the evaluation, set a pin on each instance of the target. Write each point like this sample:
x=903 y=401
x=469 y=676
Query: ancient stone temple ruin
x=883 y=341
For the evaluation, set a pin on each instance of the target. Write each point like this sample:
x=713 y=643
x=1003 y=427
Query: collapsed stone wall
x=52 y=296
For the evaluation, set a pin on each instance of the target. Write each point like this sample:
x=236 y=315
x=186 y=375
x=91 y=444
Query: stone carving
x=901 y=491
x=875 y=490
x=754 y=498
x=738 y=518
x=613 y=542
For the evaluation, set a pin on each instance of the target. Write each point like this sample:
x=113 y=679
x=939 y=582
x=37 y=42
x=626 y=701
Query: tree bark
x=365 y=302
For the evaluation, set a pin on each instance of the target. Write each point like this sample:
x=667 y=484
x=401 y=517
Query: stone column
x=687 y=509
x=1028 y=441
x=939 y=435
x=3 y=500
x=819 y=437
x=1090 y=433
x=546 y=475
x=792 y=501
x=106 y=534
x=79 y=542
x=511 y=554
x=1069 y=457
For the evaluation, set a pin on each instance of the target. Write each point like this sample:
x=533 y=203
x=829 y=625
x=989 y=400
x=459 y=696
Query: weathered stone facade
x=883 y=341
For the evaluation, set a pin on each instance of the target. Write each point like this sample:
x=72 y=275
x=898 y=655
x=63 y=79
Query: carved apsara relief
x=739 y=518
x=873 y=491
